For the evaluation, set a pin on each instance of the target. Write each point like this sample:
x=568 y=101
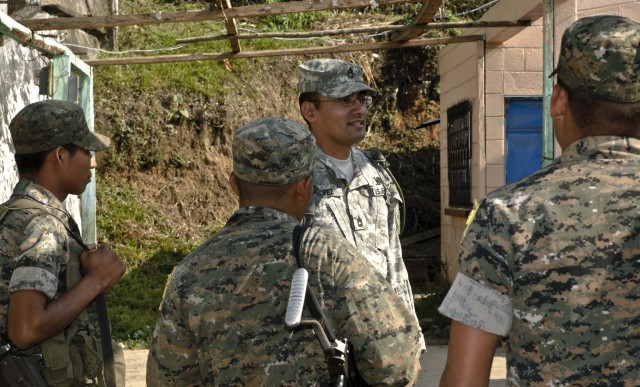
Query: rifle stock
x=20 y=370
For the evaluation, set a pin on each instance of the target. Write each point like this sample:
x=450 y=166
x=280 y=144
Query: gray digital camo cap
x=45 y=125
x=600 y=56
x=273 y=151
x=332 y=78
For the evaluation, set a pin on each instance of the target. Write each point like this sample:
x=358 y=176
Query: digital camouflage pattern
x=273 y=151
x=600 y=57
x=222 y=319
x=563 y=245
x=45 y=125
x=332 y=78
x=366 y=212
x=37 y=253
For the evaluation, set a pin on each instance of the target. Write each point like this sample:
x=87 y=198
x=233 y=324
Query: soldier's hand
x=103 y=265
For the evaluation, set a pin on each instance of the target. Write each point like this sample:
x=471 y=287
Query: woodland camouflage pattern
x=37 y=253
x=600 y=57
x=563 y=245
x=260 y=157
x=222 y=318
x=332 y=78
x=44 y=125
x=366 y=212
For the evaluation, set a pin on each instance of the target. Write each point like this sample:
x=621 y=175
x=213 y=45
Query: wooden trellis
x=404 y=35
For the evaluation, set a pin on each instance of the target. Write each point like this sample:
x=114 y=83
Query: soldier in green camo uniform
x=551 y=262
x=222 y=319
x=47 y=282
x=354 y=195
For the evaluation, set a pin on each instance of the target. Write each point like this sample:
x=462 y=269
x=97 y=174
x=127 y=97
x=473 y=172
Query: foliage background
x=162 y=187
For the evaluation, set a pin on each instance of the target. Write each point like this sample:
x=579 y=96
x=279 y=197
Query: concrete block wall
x=461 y=81
x=509 y=65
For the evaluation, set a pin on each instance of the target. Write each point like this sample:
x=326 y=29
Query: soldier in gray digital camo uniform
x=45 y=302
x=353 y=195
x=222 y=319
x=551 y=262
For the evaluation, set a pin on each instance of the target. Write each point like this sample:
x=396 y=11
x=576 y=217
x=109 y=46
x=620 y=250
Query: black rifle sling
x=310 y=300
x=101 y=304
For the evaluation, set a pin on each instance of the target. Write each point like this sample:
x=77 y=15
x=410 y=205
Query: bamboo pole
x=356 y=30
x=285 y=52
x=249 y=11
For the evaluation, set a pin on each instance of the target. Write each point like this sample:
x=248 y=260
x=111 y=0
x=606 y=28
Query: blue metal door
x=523 y=122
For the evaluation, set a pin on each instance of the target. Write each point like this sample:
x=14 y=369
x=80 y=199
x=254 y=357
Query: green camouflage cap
x=273 y=151
x=45 y=125
x=332 y=78
x=600 y=56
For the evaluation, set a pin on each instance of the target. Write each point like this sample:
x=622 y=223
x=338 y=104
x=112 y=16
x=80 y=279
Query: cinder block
x=494 y=105
x=495 y=58
x=495 y=176
x=494 y=82
x=514 y=59
x=523 y=83
x=495 y=151
x=533 y=59
x=495 y=128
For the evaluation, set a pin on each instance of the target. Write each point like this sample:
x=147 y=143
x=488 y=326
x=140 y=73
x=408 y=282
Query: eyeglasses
x=349 y=101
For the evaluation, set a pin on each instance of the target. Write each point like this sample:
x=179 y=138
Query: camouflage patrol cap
x=600 y=56
x=273 y=151
x=47 y=124
x=332 y=78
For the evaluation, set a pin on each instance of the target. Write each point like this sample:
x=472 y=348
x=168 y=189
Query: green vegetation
x=162 y=186
x=150 y=254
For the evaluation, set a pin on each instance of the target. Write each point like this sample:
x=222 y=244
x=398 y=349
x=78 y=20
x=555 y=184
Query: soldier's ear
x=308 y=110
x=59 y=154
x=234 y=184
x=559 y=101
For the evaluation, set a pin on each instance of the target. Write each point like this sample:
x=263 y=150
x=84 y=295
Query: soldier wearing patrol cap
x=551 y=262
x=47 y=282
x=354 y=195
x=222 y=319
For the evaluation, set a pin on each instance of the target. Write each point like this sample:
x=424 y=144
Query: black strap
x=310 y=300
x=101 y=308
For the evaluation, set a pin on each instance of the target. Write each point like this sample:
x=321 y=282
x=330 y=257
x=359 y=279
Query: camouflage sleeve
x=40 y=255
x=173 y=357
x=486 y=253
x=384 y=332
x=471 y=303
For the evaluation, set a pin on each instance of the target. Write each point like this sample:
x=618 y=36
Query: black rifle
x=19 y=370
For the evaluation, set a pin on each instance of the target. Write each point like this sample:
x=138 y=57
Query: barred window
x=459 y=154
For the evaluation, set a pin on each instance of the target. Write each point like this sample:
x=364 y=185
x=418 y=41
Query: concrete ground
x=432 y=365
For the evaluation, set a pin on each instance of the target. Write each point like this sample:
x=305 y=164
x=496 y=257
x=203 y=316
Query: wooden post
x=547 y=83
x=88 y=198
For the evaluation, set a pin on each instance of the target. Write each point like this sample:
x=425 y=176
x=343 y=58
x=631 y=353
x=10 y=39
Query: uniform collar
x=33 y=190
x=602 y=147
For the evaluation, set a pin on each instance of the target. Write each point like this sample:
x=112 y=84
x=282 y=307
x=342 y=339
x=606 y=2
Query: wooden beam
x=249 y=11
x=427 y=12
x=358 y=30
x=232 y=30
x=423 y=236
x=23 y=35
x=272 y=53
